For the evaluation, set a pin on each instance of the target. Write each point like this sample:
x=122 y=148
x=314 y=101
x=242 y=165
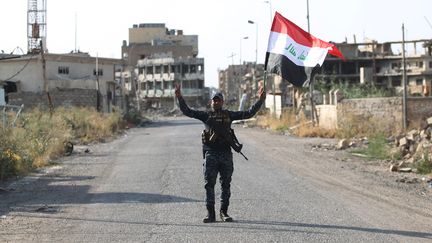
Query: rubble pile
x=414 y=146
x=406 y=150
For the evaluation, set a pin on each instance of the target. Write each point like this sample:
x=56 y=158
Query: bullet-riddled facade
x=160 y=57
x=382 y=65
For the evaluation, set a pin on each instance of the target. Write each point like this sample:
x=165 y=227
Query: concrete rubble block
x=352 y=144
x=343 y=144
x=411 y=135
x=429 y=121
x=403 y=142
x=405 y=169
x=424 y=135
x=428 y=132
x=420 y=147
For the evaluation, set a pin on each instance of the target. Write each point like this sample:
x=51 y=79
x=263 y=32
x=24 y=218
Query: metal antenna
x=232 y=57
x=76 y=32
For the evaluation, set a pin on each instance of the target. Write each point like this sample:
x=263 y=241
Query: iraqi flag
x=293 y=53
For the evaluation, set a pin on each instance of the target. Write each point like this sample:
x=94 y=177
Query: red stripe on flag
x=284 y=26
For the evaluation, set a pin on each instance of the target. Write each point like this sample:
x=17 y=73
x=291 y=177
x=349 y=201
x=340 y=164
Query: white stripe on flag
x=301 y=55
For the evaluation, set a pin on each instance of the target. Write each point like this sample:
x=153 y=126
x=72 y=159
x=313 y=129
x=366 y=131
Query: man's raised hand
x=262 y=94
x=177 y=90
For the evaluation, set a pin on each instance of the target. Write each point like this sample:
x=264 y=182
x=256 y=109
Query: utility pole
x=404 y=74
x=97 y=85
x=45 y=81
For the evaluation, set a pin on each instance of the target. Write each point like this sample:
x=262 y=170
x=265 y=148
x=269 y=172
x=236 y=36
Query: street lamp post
x=244 y=38
x=256 y=53
x=273 y=80
x=271 y=11
x=241 y=69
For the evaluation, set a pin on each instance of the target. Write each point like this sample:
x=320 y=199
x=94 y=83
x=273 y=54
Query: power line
x=25 y=65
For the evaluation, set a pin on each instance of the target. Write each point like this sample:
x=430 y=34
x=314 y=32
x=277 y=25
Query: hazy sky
x=220 y=25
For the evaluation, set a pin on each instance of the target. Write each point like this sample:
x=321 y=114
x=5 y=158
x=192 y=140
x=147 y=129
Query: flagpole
x=311 y=88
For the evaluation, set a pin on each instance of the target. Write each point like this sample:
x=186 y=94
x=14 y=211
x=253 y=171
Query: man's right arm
x=200 y=115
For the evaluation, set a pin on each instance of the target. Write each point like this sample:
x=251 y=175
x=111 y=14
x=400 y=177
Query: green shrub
x=376 y=149
x=424 y=165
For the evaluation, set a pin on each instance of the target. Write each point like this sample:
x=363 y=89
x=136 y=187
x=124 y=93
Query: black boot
x=224 y=215
x=211 y=215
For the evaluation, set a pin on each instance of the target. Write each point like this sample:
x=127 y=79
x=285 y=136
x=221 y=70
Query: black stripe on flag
x=284 y=67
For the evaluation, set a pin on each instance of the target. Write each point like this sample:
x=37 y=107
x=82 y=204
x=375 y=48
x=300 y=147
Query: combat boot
x=224 y=215
x=211 y=215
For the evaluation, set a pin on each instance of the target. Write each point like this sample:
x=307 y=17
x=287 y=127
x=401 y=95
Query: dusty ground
x=75 y=179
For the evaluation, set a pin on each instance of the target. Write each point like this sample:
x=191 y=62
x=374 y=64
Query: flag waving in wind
x=293 y=53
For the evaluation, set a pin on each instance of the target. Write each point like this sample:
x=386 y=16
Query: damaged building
x=381 y=64
x=73 y=79
x=157 y=76
x=155 y=58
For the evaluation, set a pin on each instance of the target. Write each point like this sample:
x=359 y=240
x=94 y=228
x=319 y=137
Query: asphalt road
x=147 y=186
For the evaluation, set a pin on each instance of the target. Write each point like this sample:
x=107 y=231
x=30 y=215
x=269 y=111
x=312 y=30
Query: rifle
x=227 y=135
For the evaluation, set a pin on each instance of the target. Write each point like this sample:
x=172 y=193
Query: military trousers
x=217 y=162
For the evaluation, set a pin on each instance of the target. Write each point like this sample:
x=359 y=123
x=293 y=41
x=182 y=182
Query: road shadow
x=268 y=226
x=175 y=123
x=28 y=196
x=416 y=234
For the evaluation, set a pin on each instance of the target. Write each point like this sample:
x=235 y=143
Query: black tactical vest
x=209 y=137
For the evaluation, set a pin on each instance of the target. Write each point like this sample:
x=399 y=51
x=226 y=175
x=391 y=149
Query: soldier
x=217 y=153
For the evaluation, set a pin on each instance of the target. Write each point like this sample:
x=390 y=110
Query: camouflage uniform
x=218 y=155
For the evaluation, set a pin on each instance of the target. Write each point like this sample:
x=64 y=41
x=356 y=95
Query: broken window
x=185 y=69
x=420 y=64
x=348 y=68
x=396 y=82
x=186 y=84
x=141 y=70
x=158 y=69
x=99 y=72
x=168 y=85
x=149 y=70
x=200 y=84
x=165 y=69
x=192 y=68
x=174 y=69
x=63 y=70
x=158 y=85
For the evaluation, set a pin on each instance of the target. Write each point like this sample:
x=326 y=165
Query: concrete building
x=381 y=64
x=148 y=39
x=157 y=76
x=155 y=58
x=71 y=79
